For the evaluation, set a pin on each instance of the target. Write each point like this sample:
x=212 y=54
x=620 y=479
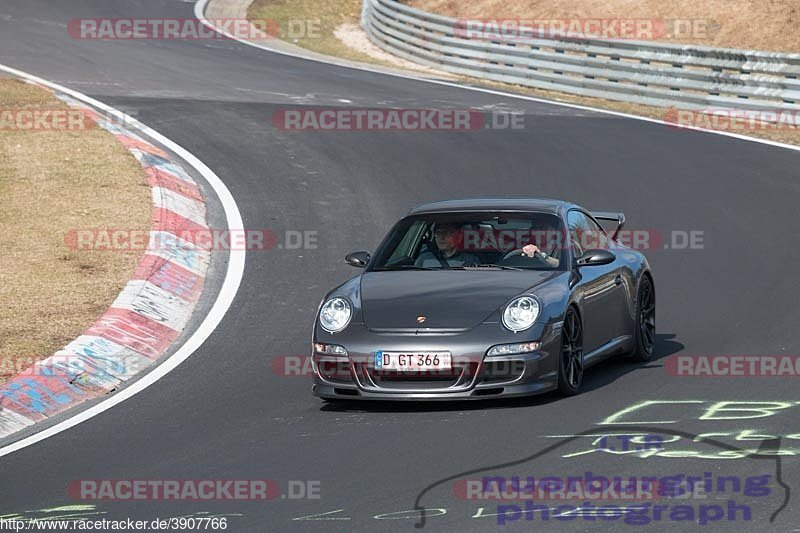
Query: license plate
x=416 y=361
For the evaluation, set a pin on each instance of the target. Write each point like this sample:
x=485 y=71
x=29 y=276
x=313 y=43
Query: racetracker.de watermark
x=192 y=29
x=638 y=239
x=610 y=28
x=733 y=120
x=202 y=239
x=590 y=486
x=58 y=119
x=72 y=364
x=192 y=489
x=730 y=365
x=555 y=488
x=333 y=367
x=363 y=119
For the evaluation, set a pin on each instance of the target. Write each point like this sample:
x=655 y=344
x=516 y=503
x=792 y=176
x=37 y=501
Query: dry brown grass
x=757 y=24
x=330 y=14
x=51 y=182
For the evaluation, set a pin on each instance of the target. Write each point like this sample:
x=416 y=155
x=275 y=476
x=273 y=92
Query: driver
x=449 y=254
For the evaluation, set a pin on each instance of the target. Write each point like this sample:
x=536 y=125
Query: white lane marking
x=323 y=516
x=230 y=285
x=199 y=13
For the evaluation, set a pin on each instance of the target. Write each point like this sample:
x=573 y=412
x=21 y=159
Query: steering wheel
x=520 y=252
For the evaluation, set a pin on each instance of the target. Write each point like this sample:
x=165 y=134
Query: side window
x=577 y=227
x=599 y=237
x=585 y=233
x=405 y=248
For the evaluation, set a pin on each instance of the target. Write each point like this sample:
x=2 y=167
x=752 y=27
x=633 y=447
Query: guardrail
x=652 y=73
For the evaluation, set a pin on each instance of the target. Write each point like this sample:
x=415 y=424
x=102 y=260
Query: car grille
x=461 y=377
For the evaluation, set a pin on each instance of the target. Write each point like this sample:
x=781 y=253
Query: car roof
x=546 y=205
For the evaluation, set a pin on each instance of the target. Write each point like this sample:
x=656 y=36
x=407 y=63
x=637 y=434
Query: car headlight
x=521 y=313
x=335 y=314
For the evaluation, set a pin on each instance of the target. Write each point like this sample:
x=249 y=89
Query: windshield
x=467 y=241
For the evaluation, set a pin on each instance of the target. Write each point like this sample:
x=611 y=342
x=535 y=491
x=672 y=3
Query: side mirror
x=595 y=258
x=357 y=259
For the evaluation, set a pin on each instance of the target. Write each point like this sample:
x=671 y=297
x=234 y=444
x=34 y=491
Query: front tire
x=645 y=326
x=570 y=361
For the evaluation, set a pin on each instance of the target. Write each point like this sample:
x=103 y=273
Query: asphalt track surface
x=224 y=414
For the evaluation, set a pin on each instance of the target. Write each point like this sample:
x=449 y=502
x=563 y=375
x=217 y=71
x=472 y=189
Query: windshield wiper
x=418 y=267
x=406 y=267
x=501 y=267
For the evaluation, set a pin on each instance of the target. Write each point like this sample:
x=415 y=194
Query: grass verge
x=322 y=15
x=53 y=181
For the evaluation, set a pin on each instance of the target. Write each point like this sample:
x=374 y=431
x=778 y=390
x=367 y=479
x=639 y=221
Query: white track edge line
x=230 y=285
x=199 y=13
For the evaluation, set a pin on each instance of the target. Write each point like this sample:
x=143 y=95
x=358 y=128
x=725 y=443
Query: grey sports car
x=483 y=298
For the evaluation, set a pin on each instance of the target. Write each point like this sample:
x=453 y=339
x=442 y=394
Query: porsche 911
x=484 y=298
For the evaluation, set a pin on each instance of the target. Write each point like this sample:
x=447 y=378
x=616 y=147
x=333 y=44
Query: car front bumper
x=474 y=375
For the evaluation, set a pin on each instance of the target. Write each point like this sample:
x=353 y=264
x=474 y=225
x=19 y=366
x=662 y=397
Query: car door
x=599 y=288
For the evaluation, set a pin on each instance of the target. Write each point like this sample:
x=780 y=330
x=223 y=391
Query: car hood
x=455 y=299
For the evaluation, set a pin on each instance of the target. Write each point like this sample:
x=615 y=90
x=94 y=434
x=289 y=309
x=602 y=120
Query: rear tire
x=570 y=361
x=644 y=337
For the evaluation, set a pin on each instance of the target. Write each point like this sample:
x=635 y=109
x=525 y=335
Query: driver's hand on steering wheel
x=530 y=250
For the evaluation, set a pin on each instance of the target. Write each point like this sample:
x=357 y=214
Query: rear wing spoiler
x=619 y=218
